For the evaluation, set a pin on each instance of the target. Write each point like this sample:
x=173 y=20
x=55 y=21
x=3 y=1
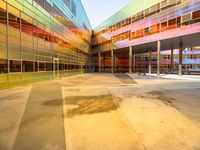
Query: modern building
x=42 y=39
x=160 y=36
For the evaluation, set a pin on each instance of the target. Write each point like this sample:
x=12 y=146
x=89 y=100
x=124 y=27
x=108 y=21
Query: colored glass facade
x=147 y=21
x=42 y=39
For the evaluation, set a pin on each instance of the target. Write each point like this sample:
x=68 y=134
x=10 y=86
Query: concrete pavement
x=102 y=112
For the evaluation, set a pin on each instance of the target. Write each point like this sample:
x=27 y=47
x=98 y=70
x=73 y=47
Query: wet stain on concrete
x=162 y=97
x=91 y=104
x=159 y=95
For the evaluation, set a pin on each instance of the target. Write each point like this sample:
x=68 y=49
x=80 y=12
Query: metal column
x=134 y=63
x=150 y=67
x=158 y=58
x=130 y=60
x=172 y=60
x=180 y=59
x=99 y=54
x=112 y=61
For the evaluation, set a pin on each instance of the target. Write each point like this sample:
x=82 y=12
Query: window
x=61 y=66
x=186 y=17
x=139 y=15
x=49 y=66
x=133 y=18
x=155 y=28
x=67 y=3
x=153 y=9
x=172 y=22
x=163 y=24
x=66 y=67
x=178 y=20
x=147 y=30
x=163 y=4
x=42 y=66
x=73 y=7
x=158 y=7
x=47 y=6
x=36 y=66
x=132 y=35
x=26 y=26
x=146 y=12
x=27 y=66
x=196 y=14
x=40 y=2
x=172 y=2
x=3 y=66
x=139 y=33
x=3 y=17
x=114 y=27
x=14 y=21
x=15 y=66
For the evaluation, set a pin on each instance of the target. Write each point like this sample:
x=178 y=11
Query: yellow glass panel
x=2 y=5
x=26 y=76
x=15 y=77
x=26 y=44
x=13 y=11
x=16 y=4
x=26 y=37
x=27 y=18
x=2 y=37
x=14 y=40
x=3 y=54
x=3 y=78
x=14 y=55
x=14 y=32
x=2 y=28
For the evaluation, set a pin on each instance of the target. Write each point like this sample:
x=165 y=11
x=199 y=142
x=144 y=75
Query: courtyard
x=102 y=111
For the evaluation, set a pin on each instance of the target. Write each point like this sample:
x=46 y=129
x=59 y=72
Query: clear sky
x=99 y=10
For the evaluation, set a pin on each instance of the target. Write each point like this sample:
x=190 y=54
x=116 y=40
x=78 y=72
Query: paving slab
x=42 y=126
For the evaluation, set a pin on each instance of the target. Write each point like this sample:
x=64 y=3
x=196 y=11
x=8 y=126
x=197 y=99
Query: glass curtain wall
x=41 y=39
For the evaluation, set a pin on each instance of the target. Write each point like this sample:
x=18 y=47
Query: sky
x=100 y=10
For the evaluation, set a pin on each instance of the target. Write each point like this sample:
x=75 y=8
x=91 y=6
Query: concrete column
x=104 y=65
x=150 y=67
x=115 y=67
x=158 y=58
x=112 y=61
x=172 y=60
x=134 y=63
x=180 y=59
x=99 y=54
x=130 y=59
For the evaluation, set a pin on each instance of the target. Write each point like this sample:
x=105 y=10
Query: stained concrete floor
x=101 y=112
